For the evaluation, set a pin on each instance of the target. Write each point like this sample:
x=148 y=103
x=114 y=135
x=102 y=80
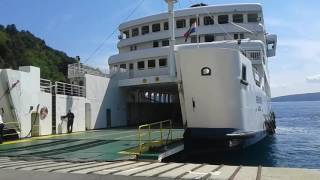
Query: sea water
x=295 y=144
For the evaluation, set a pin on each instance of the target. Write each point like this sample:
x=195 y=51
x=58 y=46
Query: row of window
x=141 y=65
x=181 y=23
x=207 y=38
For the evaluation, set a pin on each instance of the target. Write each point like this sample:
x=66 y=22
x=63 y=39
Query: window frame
x=126 y=33
x=153 y=63
x=123 y=67
x=166 y=26
x=208 y=20
x=165 y=42
x=244 y=75
x=155 y=44
x=249 y=19
x=207 y=36
x=145 y=31
x=135 y=32
x=222 y=21
x=192 y=38
x=241 y=18
x=155 y=28
x=165 y=60
x=183 y=23
x=194 y=19
x=131 y=66
x=139 y=63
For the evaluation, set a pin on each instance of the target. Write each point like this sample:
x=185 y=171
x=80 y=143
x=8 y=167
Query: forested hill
x=298 y=97
x=22 y=48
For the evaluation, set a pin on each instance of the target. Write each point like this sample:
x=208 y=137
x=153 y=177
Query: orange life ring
x=43 y=113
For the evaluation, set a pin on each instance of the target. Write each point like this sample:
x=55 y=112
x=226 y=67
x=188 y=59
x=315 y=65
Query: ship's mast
x=172 y=36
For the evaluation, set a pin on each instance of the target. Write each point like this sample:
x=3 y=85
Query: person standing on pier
x=1 y=126
x=70 y=117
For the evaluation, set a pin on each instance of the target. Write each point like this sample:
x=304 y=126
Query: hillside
x=298 y=97
x=22 y=48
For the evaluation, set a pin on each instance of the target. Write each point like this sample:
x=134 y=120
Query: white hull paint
x=219 y=102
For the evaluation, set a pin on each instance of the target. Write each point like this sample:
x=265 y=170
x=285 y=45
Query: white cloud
x=313 y=79
x=281 y=86
x=302 y=49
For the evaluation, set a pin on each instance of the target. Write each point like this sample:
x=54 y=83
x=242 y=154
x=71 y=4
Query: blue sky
x=77 y=27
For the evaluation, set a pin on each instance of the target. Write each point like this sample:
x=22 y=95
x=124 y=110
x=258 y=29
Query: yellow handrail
x=140 y=134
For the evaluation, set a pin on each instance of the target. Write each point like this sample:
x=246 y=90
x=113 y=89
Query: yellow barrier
x=149 y=142
x=12 y=122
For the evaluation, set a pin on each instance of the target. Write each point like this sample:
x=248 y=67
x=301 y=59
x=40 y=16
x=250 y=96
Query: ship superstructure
x=214 y=83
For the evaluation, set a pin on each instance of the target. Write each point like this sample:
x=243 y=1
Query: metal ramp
x=100 y=145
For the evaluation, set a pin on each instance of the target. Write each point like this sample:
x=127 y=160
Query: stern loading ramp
x=151 y=103
x=100 y=145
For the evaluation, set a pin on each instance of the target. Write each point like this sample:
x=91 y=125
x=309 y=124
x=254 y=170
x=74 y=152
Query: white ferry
x=204 y=67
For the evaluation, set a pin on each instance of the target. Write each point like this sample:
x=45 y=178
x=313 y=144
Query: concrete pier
x=13 y=168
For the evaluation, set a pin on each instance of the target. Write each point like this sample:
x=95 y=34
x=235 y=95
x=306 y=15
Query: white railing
x=253 y=54
x=45 y=85
x=69 y=89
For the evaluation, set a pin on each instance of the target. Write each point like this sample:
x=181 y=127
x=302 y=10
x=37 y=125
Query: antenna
x=172 y=36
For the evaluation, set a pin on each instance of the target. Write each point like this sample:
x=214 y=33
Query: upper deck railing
x=45 y=85
x=79 y=70
x=255 y=55
x=69 y=89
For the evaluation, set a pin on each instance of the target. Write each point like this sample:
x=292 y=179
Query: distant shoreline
x=297 y=97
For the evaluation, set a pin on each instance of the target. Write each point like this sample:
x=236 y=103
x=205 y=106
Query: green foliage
x=22 y=48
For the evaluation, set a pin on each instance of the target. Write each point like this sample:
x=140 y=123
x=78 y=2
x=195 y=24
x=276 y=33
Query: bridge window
x=253 y=17
x=130 y=66
x=126 y=33
x=145 y=30
x=181 y=23
x=165 y=43
x=141 y=65
x=208 y=38
x=155 y=27
x=238 y=36
x=208 y=20
x=135 y=32
x=123 y=67
x=237 y=18
x=155 y=44
x=133 y=48
x=151 y=64
x=165 y=26
x=193 y=20
x=114 y=69
x=163 y=62
x=223 y=19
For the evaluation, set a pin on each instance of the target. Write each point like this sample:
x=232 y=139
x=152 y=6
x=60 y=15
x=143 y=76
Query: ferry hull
x=215 y=139
x=222 y=108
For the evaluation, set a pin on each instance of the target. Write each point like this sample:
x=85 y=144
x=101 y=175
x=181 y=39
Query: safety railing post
x=170 y=130
x=161 y=133
x=140 y=144
x=149 y=136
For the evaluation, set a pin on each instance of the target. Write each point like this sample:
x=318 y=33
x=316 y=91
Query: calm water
x=296 y=143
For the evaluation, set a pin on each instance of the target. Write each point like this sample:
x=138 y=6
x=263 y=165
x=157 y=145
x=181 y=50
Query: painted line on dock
x=144 y=164
x=185 y=173
x=167 y=170
x=233 y=175
x=259 y=173
x=37 y=138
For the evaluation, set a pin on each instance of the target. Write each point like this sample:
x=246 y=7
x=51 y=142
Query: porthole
x=206 y=71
